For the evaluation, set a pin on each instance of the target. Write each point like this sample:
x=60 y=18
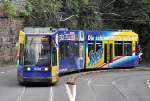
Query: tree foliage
x=25 y=10
x=84 y=11
x=84 y=14
x=44 y=13
x=8 y=8
x=137 y=13
x=89 y=14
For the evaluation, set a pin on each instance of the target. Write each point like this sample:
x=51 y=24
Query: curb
x=116 y=70
x=74 y=77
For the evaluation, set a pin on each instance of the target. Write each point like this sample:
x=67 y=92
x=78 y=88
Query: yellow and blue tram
x=42 y=56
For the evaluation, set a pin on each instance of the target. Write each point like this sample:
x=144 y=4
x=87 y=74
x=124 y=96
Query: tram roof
x=49 y=31
x=38 y=31
x=115 y=33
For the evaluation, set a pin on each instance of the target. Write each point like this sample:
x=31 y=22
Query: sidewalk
x=144 y=65
x=6 y=67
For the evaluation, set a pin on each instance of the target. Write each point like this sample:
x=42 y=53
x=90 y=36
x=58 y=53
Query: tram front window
x=37 y=51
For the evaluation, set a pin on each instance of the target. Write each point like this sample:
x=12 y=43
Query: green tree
x=137 y=15
x=84 y=11
x=24 y=9
x=44 y=13
x=8 y=8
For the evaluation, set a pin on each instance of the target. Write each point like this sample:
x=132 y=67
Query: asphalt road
x=102 y=86
x=114 y=86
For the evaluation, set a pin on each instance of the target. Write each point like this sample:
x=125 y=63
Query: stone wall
x=9 y=31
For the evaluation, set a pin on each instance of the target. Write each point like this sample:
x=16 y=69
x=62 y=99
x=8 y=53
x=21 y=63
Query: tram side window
x=76 y=48
x=63 y=49
x=118 y=48
x=98 y=45
x=127 y=48
x=91 y=47
x=21 y=55
x=73 y=49
x=69 y=49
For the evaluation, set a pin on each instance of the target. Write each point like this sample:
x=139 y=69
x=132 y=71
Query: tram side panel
x=94 y=51
x=71 y=51
x=102 y=49
x=110 y=49
x=125 y=51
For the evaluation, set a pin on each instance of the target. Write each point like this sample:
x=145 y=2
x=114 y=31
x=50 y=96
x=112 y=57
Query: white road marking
x=71 y=95
x=74 y=92
x=115 y=85
x=148 y=82
x=3 y=72
x=8 y=71
x=89 y=82
x=51 y=94
x=101 y=85
x=21 y=95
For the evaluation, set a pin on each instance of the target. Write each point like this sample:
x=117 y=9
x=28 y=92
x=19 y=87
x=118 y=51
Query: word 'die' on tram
x=43 y=55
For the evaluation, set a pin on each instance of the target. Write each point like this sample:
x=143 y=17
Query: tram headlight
x=46 y=69
x=28 y=69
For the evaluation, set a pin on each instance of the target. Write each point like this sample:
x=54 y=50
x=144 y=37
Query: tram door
x=108 y=52
x=54 y=61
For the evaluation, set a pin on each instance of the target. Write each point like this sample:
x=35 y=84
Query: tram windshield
x=37 y=51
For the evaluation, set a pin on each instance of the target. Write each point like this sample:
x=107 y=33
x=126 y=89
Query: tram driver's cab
x=37 y=57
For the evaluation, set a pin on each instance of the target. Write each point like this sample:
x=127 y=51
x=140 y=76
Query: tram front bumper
x=34 y=76
x=37 y=79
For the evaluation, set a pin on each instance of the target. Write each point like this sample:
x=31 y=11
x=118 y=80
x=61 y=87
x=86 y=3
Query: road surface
x=115 y=85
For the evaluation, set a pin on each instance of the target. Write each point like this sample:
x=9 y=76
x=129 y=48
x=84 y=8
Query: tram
x=43 y=54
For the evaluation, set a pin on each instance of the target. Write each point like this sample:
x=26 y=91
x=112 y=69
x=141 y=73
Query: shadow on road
x=37 y=85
